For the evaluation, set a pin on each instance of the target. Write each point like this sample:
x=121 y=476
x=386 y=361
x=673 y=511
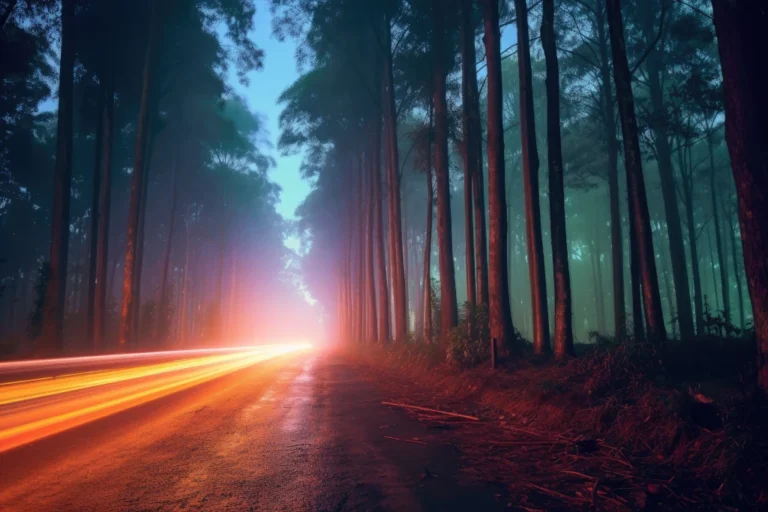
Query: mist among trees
x=542 y=174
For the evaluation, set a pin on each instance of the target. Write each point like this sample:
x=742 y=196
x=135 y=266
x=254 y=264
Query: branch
x=653 y=43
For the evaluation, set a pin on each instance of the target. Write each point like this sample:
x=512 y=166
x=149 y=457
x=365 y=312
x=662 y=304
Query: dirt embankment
x=620 y=428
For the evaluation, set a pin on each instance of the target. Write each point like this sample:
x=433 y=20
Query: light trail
x=36 y=408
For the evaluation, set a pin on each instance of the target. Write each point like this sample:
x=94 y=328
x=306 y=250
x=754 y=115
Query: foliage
x=468 y=344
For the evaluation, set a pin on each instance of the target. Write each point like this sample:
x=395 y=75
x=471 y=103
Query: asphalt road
x=304 y=431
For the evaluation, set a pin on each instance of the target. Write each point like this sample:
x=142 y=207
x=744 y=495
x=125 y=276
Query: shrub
x=468 y=344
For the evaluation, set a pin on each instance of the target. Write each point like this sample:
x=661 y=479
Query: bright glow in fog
x=35 y=408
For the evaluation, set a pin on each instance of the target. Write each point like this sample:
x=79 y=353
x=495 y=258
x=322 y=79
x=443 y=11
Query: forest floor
x=614 y=429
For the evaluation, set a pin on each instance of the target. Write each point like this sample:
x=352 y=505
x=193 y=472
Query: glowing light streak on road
x=36 y=408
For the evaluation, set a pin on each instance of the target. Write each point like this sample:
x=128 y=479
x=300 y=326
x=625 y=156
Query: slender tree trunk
x=531 y=185
x=448 y=307
x=95 y=214
x=472 y=150
x=736 y=271
x=500 y=317
x=724 y=288
x=714 y=275
x=658 y=121
x=688 y=182
x=428 y=239
x=183 y=324
x=636 y=285
x=600 y=294
x=162 y=305
x=639 y=215
x=393 y=186
x=370 y=211
x=609 y=116
x=383 y=331
x=137 y=186
x=136 y=314
x=99 y=279
x=563 y=342
x=52 y=331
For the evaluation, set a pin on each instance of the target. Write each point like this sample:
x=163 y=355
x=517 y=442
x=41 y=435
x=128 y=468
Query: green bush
x=468 y=344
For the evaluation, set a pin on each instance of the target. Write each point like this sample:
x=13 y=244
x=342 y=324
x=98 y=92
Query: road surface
x=300 y=431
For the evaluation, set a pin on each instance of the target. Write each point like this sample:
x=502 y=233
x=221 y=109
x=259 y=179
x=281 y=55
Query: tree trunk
x=162 y=305
x=98 y=308
x=448 y=307
x=714 y=275
x=688 y=182
x=470 y=126
x=428 y=239
x=136 y=314
x=383 y=331
x=137 y=186
x=474 y=147
x=393 y=186
x=373 y=334
x=499 y=312
x=639 y=215
x=609 y=116
x=658 y=121
x=95 y=215
x=52 y=330
x=736 y=271
x=531 y=185
x=563 y=342
x=724 y=287
x=183 y=331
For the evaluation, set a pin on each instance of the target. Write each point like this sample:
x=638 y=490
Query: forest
x=534 y=175
x=596 y=178
x=136 y=208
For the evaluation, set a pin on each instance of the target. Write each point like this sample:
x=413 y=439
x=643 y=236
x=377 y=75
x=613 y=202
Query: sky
x=262 y=95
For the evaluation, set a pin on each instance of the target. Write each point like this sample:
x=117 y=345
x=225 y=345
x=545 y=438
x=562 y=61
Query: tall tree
x=470 y=123
x=448 y=308
x=499 y=312
x=55 y=292
x=743 y=43
x=397 y=270
x=659 y=124
x=137 y=187
x=639 y=216
x=563 y=342
x=531 y=185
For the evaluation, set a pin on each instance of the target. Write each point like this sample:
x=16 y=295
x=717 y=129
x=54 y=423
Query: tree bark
x=137 y=186
x=540 y=314
x=52 y=331
x=724 y=287
x=609 y=116
x=563 y=342
x=658 y=123
x=639 y=215
x=383 y=331
x=428 y=239
x=687 y=179
x=162 y=305
x=736 y=270
x=373 y=334
x=99 y=279
x=397 y=271
x=472 y=150
x=499 y=312
x=448 y=308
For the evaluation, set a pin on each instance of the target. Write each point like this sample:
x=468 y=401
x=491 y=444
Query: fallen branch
x=414 y=441
x=446 y=413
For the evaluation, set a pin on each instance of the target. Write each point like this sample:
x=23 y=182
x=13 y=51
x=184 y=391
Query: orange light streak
x=33 y=409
